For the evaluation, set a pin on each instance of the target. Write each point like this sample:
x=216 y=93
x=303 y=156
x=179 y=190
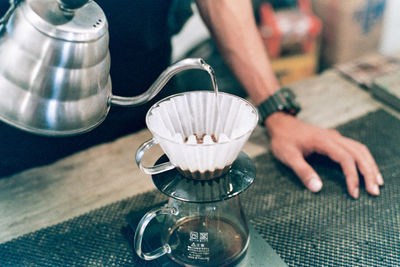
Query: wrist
x=275 y=120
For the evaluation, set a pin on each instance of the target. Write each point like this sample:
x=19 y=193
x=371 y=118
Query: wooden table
x=107 y=173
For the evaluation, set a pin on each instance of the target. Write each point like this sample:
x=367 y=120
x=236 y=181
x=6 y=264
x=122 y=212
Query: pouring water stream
x=211 y=72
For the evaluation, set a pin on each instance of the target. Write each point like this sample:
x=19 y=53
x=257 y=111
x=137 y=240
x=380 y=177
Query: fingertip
x=374 y=190
x=379 y=179
x=356 y=193
x=314 y=184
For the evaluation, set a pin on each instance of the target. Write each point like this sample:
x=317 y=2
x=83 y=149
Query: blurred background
x=305 y=37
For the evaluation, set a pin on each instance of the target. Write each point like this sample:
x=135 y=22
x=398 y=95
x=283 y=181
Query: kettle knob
x=72 y=5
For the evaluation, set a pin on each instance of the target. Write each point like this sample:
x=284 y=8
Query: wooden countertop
x=107 y=173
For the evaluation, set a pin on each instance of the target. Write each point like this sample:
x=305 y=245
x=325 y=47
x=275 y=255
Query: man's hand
x=292 y=140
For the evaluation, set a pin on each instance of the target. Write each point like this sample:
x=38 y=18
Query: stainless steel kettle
x=55 y=65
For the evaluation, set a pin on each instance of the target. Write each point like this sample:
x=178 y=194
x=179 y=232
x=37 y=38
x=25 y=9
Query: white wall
x=390 y=42
x=192 y=34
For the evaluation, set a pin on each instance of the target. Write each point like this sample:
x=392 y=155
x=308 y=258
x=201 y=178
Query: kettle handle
x=155 y=88
x=7 y=15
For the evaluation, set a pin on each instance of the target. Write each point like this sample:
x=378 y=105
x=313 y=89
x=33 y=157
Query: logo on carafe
x=194 y=236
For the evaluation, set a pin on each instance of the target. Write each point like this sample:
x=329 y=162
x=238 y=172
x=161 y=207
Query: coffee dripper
x=203 y=222
x=55 y=67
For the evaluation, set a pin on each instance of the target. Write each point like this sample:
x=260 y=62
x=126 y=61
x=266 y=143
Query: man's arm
x=233 y=27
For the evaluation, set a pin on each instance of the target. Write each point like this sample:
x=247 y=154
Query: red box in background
x=291 y=37
x=289 y=31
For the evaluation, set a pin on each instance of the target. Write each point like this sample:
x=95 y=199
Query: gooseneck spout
x=155 y=88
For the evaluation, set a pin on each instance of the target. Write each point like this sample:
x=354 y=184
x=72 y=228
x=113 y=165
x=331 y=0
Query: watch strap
x=282 y=100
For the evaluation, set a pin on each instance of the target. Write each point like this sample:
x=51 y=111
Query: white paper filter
x=178 y=117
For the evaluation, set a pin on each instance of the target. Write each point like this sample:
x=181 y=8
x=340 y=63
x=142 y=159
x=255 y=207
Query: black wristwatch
x=283 y=100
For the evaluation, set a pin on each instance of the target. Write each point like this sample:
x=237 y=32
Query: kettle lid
x=87 y=23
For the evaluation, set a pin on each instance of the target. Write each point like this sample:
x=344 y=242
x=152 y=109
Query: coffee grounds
x=206 y=175
x=200 y=139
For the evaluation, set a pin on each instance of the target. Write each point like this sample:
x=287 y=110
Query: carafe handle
x=155 y=88
x=156 y=168
x=142 y=227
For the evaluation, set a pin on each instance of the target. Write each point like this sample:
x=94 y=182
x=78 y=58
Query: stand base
x=260 y=253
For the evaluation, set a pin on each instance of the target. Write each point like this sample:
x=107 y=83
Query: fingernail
x=375 y=190
x=379 y=178
x=315 y=184
x=356 y=192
